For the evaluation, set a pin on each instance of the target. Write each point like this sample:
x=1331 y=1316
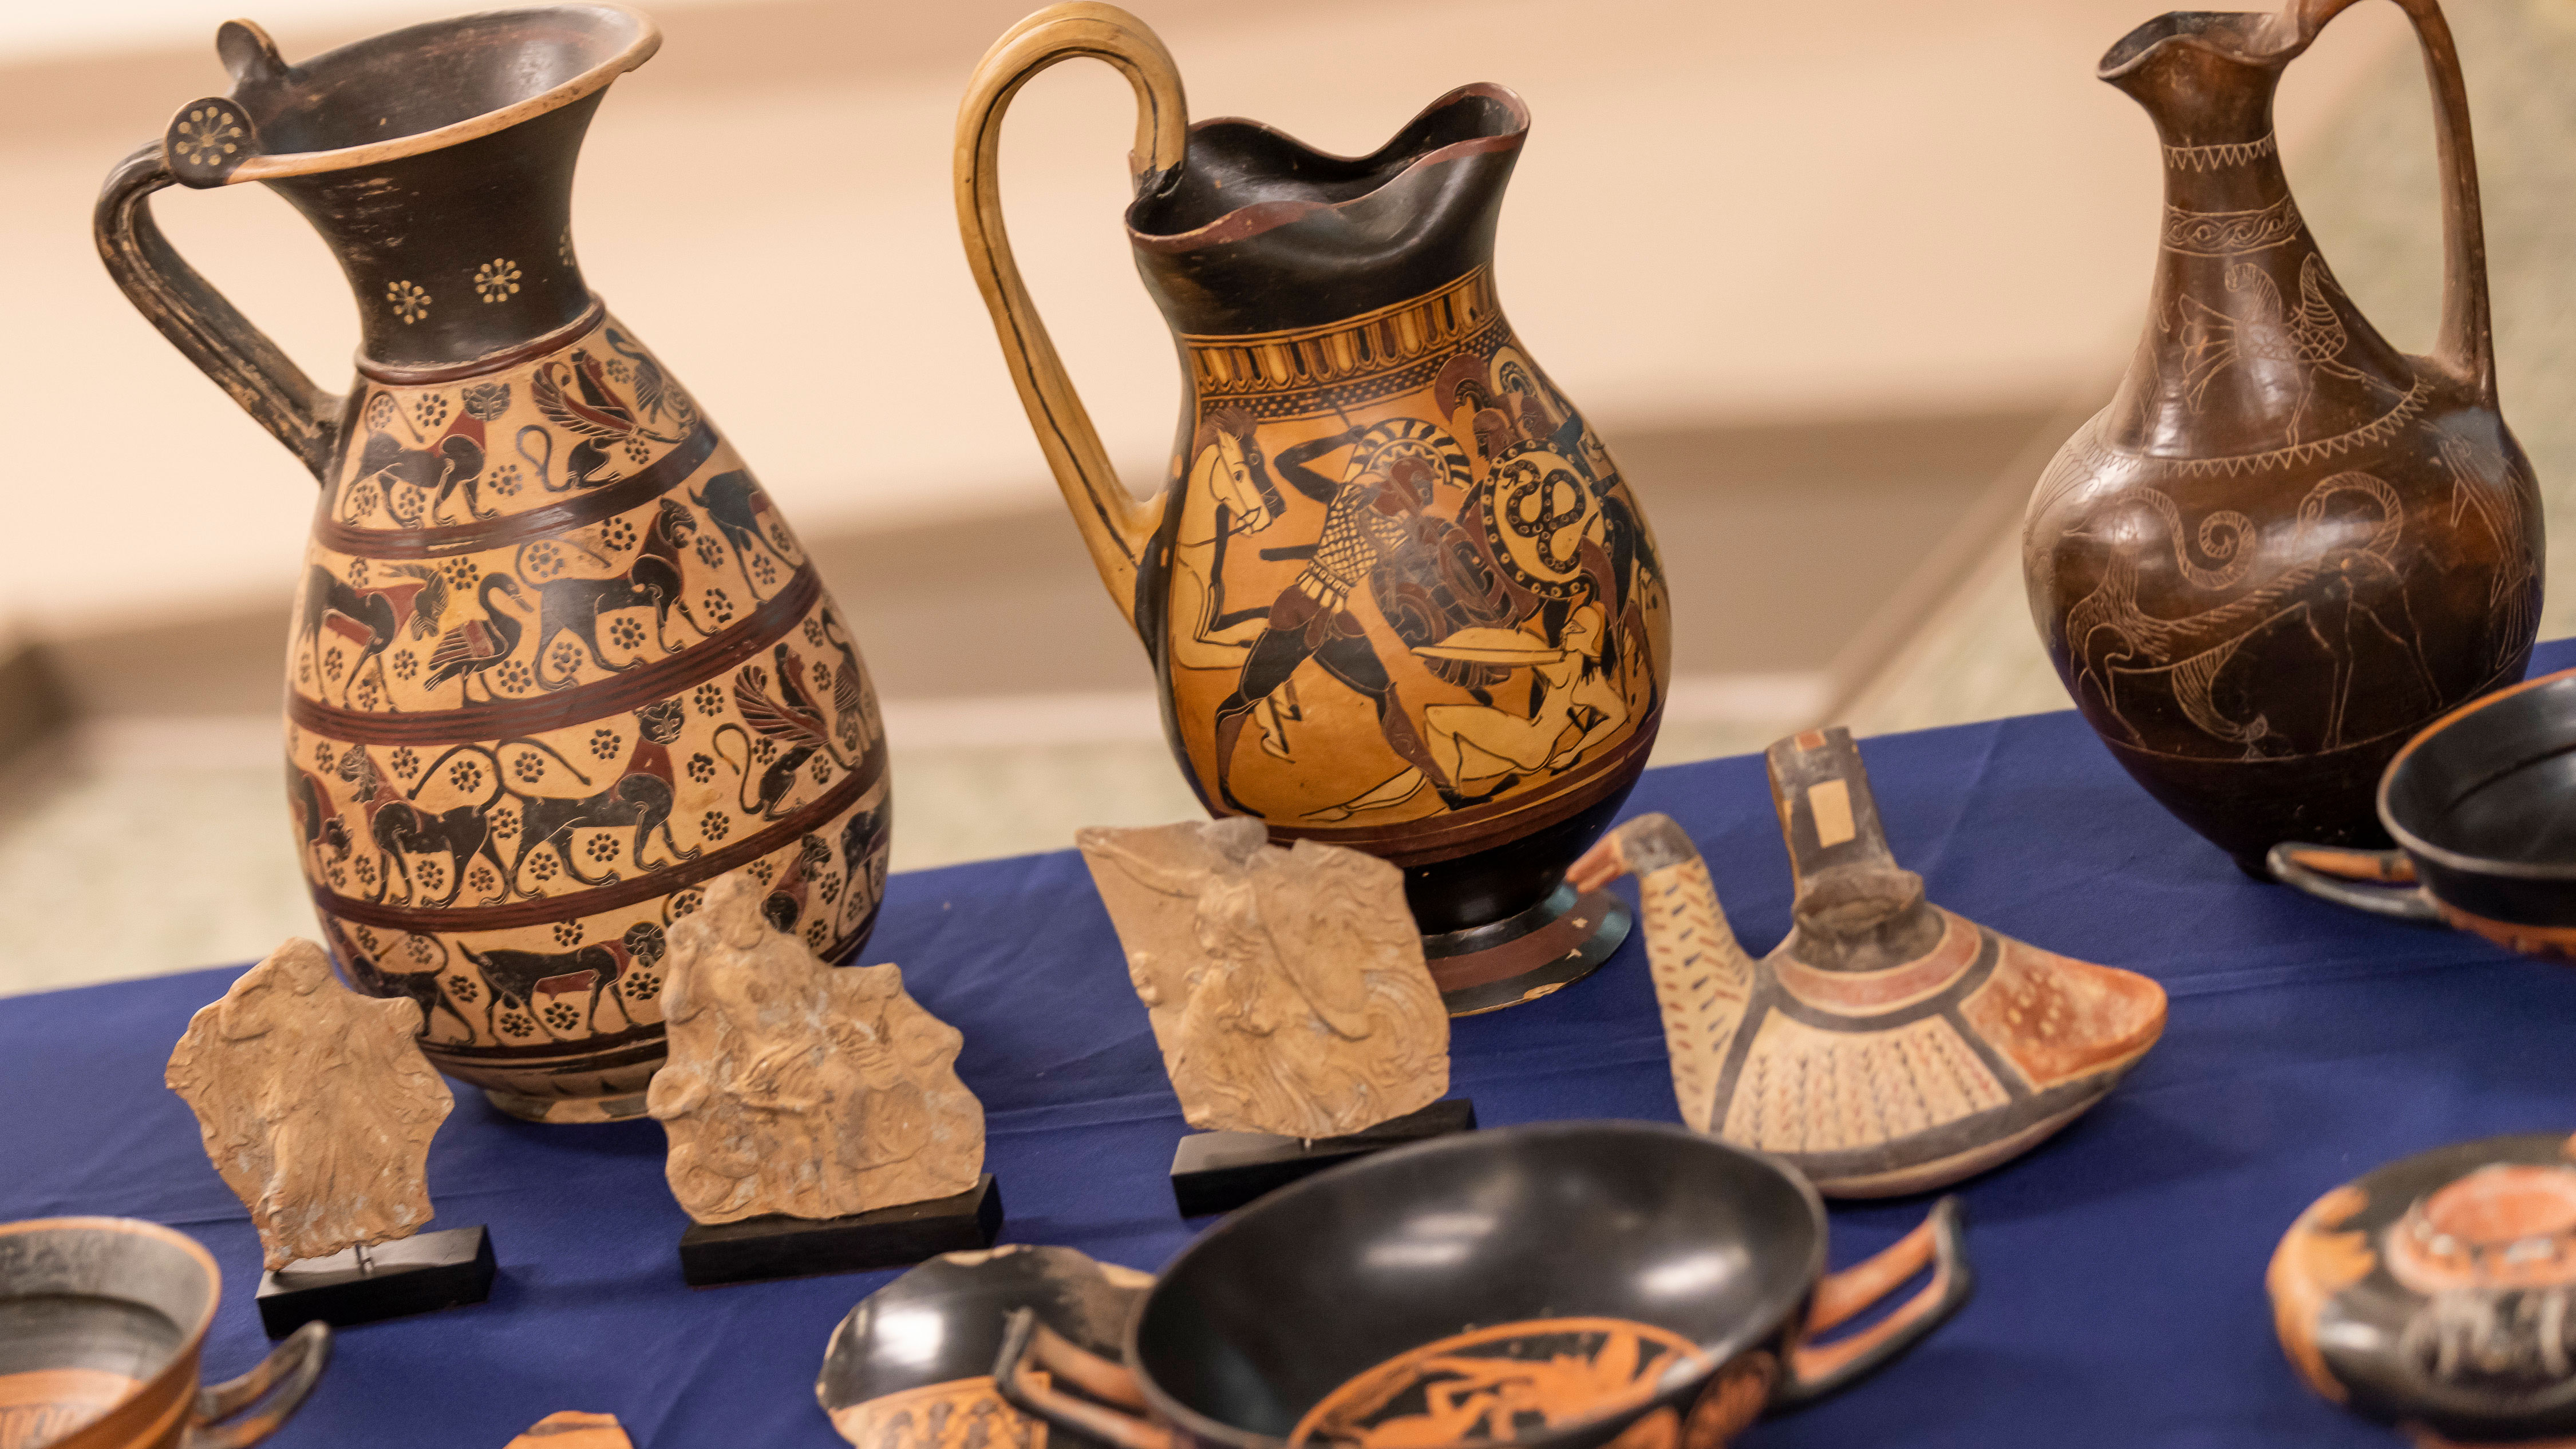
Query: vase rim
x=2248 y=37
x=1254 y=217
x=603 y=19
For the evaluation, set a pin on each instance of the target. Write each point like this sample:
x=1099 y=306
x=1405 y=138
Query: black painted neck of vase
x=1260 y=233
x=2250 y=345
x=460 y=253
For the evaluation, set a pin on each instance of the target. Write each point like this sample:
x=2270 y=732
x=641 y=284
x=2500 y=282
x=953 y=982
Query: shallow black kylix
x=2482 y=805
x=1558 y=1285
x=912 y=1365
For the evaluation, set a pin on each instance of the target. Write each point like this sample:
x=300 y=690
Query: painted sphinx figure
x=1397 y=592
x=1887 y=1046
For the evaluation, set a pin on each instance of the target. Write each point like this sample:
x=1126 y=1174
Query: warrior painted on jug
x=1476 y=585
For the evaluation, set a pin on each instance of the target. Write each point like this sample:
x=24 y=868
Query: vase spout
x=435 y=160
x=2207 y=78
x=1256 y=231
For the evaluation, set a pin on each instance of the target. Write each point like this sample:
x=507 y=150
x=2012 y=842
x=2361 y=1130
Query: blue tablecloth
x=2120 y=1266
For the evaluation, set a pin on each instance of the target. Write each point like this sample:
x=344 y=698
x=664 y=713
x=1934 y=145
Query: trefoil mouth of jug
x=1240 y=178
x=2246 y=37
x=422 y=88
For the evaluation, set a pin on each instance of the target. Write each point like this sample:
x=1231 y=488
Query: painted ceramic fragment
x=2436 y=1292
x=912 y=1364
x=315 y=1106
x=799 y=1088
x=1286 y=986
x=572 y=1429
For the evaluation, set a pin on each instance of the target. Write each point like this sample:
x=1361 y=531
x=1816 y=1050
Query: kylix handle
x=1029 y=1346
x=2330 y=874
x=1816 y=1370
x=283 y=1379
x=196 y=318
x=2466 y=345
x=1114 y=527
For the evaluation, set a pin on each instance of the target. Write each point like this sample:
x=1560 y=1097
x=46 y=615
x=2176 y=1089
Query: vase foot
x=566 y=1109
x=1521 y=958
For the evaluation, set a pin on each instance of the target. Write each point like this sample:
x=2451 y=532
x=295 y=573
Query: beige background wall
x=1830 y=279
x=1728 y=211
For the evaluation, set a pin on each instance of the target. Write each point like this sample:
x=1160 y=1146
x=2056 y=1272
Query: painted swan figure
x=1887 y=1046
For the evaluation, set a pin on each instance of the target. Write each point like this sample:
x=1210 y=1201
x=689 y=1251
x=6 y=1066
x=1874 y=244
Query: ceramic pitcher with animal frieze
x=1396 y=591
x=556 y=661
x=2285 y=546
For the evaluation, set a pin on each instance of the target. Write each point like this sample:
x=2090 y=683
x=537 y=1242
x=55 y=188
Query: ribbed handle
x=1113 y=526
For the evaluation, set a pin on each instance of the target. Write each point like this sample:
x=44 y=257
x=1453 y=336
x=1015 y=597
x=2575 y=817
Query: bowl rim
x=2416 y=845
x=179 y=1371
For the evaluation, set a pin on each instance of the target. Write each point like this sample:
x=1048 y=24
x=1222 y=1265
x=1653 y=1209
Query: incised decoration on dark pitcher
x=2284 y=546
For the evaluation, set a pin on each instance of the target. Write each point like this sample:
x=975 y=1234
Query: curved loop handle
x=1029 y=1346
x=200 y=323
x=283 y=1378
x=1817 y=1370
x=2328 y=874
x=1114 y=527
x=2466 y=344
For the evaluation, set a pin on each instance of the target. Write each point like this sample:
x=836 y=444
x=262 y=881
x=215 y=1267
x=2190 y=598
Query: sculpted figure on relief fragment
x=1287 y=987
x=800 y=1088
x=315 y=1104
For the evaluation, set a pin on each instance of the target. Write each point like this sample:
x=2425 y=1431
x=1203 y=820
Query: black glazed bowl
x=916 y=1356
x=2482 y=805
x=2435 y=1291
x=1549 y=1284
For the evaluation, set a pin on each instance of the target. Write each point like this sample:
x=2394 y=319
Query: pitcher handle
x=1817 y=1370
x=2329 y=873
x=1028 y=1345
x=1115 y=528
x=201 y=323
x=2466 y=343
x=283 y=1378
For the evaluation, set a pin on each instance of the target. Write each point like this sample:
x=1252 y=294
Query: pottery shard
x=800 y=1088
x=315 y=1105
x=573 y=1430
x=1286 y=987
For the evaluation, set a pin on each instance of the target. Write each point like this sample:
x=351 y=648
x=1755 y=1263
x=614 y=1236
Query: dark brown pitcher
x=1397 y=594
x=557 y=661
x=2285 y=546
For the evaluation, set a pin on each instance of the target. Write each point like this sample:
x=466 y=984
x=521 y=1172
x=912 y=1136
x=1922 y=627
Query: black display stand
x=775 y=1246
x=445 y=1269
x=1216 y=1172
